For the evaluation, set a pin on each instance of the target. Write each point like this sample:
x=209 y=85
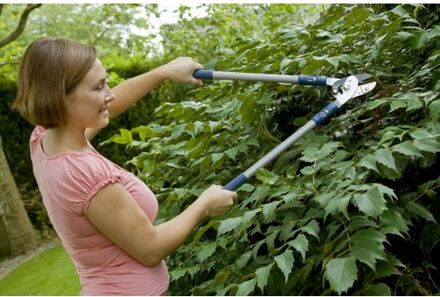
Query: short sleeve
x=87 y=175
x=101 y=183
x=35 y=139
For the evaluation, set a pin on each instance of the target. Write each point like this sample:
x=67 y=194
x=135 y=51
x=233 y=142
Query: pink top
x=67 y=182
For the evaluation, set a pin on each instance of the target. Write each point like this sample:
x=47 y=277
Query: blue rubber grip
x=236 y=183
x=203 y=74
x=325 y=113
x=312 y=80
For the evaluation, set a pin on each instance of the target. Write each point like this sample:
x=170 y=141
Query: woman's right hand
x=216 y=200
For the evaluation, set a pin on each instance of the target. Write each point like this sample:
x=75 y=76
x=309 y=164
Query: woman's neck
x=60 y=139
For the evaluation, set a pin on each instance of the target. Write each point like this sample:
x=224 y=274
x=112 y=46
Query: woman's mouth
x=103 y=109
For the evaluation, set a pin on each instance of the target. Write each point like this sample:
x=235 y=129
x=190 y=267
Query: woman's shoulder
x=36 y=136
x=88 y=163
x=82 y=171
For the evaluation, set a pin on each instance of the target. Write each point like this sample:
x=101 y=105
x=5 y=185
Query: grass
x=50 y=273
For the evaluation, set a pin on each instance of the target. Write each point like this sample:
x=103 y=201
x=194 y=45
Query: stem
x=433 y=188
x=417 y=285
x=347 y=233
x=433 y=282
x=268 y=133
x=20 y=27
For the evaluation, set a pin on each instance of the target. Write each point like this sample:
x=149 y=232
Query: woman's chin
x=103 y=122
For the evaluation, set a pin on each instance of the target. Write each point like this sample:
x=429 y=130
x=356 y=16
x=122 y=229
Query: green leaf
x=338 y=203
x=389 y=267
x=244 y=259
x=396 y=104
x=262 y=274
x=427 y=186
x=269 y=209
x=368 y=246
x=266 y=176
x=421 y=211
x=385 y=190
x=394 y=222
x=202 y=230
x=400 y=11
x=125 y=137
x=414 y=104
x=247 y=188
x=309 y=154
x=327 y=149
x=372 y=203
x=370 y=235
x=385 y=157
x=178 y=273
x=249 y=216
x=427 y=145
x=247 y=110
x=285 y=262
x=407 y=148
x=434 y=110
x=311 y=228
x=420 y=134
x=231 y=153
x=379 y=289
x=404 y=35
x=301 y=244
x=213 y=125
x=245 y=288
x=341 y=273
x=178 y=130
x=333 y=61
x=369 y=162
x=368 y=253
x=224 y=290
x=308 y=170
x=228 y=225
x=207 y=251
x=259 y=194
x=376 y=103
x=216 y=157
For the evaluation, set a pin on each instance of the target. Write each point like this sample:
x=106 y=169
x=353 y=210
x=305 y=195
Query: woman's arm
x=132 y=90
x=115 y=213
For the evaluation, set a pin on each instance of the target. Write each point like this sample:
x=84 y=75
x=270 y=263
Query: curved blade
x=364 y=89
x=336 y=86
x=347 y=91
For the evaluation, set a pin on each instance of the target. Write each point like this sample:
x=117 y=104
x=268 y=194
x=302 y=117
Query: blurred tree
x=16 y=232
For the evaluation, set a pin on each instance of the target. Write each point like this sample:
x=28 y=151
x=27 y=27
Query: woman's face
x=87 y=104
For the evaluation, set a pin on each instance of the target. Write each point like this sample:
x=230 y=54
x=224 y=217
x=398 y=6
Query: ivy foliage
x=352 y=207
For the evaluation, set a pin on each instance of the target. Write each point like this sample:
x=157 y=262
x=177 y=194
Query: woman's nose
x=110 y=96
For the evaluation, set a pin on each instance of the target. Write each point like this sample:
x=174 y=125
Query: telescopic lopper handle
x=312 y=80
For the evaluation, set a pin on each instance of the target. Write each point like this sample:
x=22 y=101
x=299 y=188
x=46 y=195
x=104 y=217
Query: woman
x=103 y=214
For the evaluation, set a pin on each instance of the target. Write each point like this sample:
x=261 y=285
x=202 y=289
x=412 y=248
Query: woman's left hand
x=181 y=70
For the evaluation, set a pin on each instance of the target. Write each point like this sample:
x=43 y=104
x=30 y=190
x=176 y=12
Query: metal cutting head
x=350 y=87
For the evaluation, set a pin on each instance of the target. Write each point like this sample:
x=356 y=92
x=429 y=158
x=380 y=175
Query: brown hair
x=51 y=68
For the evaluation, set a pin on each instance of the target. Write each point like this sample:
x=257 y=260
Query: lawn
x=50 y=273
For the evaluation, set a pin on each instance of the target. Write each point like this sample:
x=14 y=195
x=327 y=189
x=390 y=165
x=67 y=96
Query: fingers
x=218 y=200
x=195 y=81
x=232 y=193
